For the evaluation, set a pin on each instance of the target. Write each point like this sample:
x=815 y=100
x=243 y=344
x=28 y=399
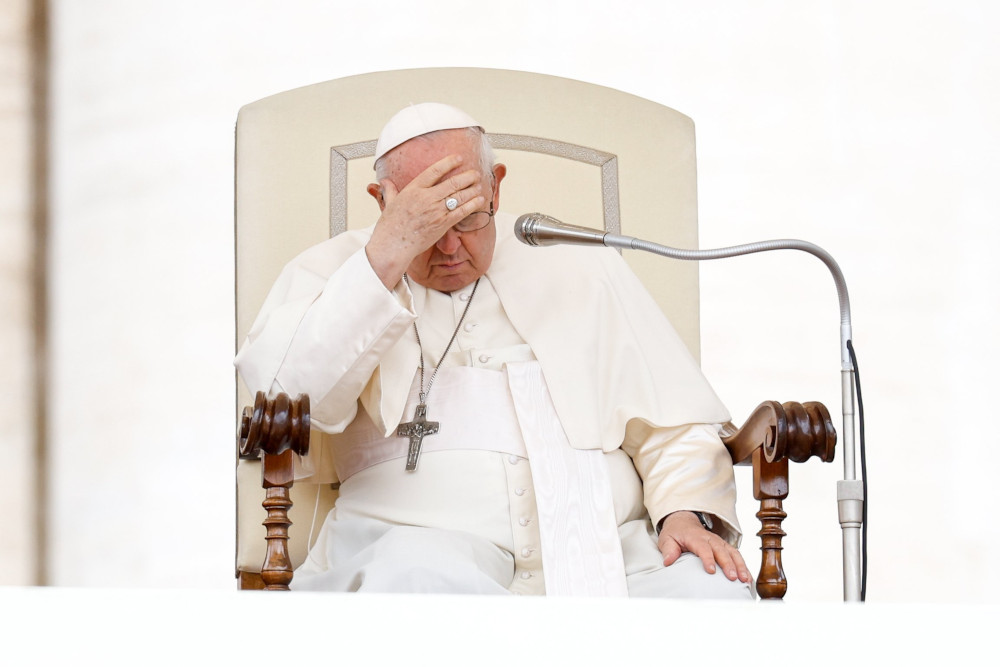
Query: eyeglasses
x=474 y=222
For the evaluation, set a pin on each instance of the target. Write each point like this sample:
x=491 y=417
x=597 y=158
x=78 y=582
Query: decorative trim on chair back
x=340 y=156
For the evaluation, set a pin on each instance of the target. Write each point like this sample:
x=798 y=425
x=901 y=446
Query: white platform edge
x=170 y=627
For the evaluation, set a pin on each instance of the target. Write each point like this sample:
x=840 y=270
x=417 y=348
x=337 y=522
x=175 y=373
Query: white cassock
x=563 y=360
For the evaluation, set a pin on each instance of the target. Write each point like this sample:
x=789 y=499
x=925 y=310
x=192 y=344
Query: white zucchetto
x=419 y=119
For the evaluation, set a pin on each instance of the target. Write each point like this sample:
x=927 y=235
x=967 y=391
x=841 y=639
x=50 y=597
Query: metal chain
x=423 y=393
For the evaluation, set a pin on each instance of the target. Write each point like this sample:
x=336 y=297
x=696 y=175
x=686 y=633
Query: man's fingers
x=433 y=179
x=426 y=196
x=433 y=174
x=468 y=208
x=466 y=180
x=741 y=567
x=716 y=552
x=704 y=551
x=681 y=531
x=463 y=187
x=670 y=551
x=724 y=557
x=731 y=562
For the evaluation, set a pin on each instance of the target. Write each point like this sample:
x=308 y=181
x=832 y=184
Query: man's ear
x=499 y=171
x=375 y=190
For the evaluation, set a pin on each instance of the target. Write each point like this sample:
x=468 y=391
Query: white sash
x=511 y=412
x=581 y=548
x=472 y=406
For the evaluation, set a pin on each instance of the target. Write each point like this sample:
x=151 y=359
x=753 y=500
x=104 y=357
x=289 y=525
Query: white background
x=868 y=128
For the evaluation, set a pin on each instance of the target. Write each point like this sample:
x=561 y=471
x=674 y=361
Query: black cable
x=864 y=475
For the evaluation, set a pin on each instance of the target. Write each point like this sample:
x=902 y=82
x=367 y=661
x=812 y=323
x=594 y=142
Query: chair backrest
x=582 y=153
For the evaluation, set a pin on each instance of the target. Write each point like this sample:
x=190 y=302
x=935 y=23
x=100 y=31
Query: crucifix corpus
x=415 y=431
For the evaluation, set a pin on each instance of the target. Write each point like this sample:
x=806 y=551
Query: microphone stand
x=538 y=229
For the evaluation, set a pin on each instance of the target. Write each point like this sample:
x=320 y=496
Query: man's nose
x=450 y=242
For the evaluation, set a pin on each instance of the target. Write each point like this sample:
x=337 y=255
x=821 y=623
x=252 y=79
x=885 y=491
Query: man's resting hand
x=682 y=531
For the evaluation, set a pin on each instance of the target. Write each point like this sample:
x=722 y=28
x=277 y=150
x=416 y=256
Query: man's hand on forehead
x=416 y=217
x=434 y=185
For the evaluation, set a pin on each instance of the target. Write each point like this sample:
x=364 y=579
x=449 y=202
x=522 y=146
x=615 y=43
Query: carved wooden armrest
x=274 y=430
x=773 y=434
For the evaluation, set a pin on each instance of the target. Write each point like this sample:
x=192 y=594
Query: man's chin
x=450 y=282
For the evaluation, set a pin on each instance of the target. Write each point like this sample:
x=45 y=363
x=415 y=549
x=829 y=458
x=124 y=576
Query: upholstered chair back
x=582 y=153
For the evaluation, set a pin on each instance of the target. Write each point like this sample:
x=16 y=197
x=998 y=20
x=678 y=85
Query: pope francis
x=505 y=420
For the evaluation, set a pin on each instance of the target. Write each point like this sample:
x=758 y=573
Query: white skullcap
x=418 y=119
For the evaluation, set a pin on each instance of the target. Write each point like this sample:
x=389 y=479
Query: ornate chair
x=605 y=158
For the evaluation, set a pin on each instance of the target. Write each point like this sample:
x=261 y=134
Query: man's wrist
x=389 y=270
x=703 y=518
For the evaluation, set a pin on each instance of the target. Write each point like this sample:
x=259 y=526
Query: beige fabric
x=643 y=174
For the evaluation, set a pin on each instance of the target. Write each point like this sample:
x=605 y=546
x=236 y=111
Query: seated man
x=507 y=419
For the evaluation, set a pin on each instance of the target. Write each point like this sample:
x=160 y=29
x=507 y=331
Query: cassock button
x=526 y=575
x=526 y=552
x=483 y=358
x=524 y=521
x=469 y=326
x=513 y=459
x=519 y=491
x=464 y=296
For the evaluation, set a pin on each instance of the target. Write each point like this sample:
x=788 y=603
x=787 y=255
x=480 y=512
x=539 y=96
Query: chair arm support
x=274 y=430
x=774 y=434
x=797 y=431
x=275 y=425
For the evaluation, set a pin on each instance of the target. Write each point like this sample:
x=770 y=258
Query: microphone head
x=538 y=229
x=526 y=227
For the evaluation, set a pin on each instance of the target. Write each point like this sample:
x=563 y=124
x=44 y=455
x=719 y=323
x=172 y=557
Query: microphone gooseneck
x=538 y=229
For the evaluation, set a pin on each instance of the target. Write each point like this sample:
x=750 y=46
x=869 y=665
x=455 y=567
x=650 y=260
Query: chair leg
x=770 y=488
x=278 y=478
x=771 y=582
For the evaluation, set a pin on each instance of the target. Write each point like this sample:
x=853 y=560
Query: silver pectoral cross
x=415 y=431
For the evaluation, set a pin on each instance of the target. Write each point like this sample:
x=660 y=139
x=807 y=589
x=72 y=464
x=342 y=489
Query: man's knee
x=422 y=560
x=687 y=579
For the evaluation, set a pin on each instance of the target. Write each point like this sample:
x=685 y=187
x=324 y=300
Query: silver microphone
x=538 y=229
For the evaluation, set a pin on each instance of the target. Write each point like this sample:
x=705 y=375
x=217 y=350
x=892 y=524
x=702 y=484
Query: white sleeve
x=685 y=468
x=324 y=337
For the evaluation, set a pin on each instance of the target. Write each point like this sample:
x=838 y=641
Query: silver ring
x=451 y=203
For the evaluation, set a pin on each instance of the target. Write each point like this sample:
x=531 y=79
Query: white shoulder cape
x=607 y=352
